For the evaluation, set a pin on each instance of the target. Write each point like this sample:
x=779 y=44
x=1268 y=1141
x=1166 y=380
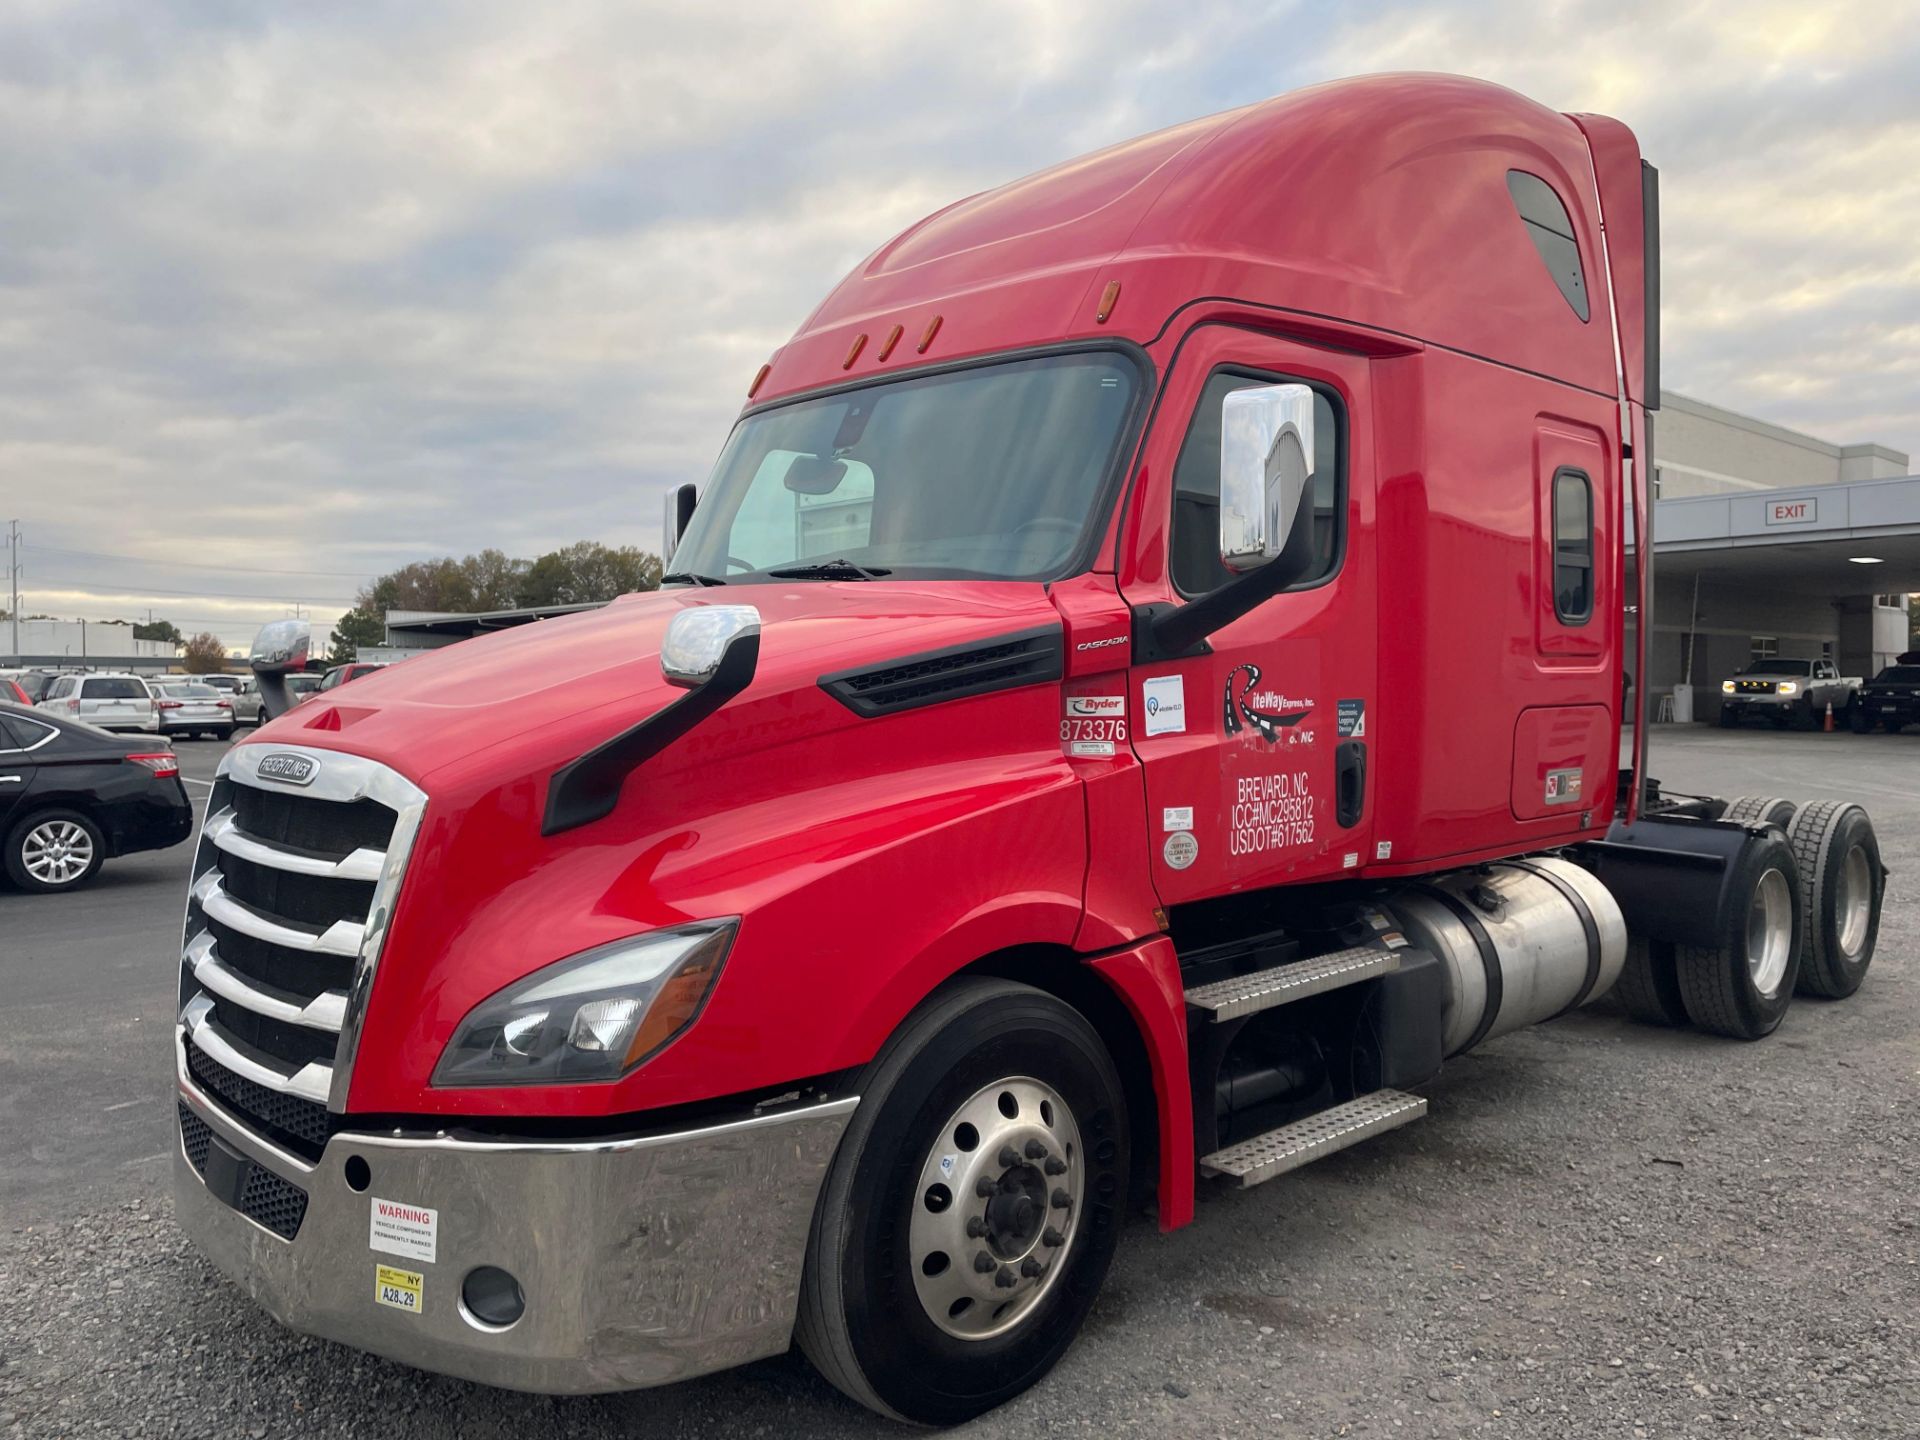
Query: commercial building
x=81 y=644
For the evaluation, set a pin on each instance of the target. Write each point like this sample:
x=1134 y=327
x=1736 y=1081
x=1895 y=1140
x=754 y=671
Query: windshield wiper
x=829 y=570
x=690 y=578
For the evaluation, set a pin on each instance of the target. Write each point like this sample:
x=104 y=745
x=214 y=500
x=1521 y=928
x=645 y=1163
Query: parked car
x=242 y=690
x=186 y=707
x=304 y=686
x=10 y=690
x=341 y=674
x=34 y=682
x=112 y=702
x=1787 y=692
x=73 y=796
x=1891 y=699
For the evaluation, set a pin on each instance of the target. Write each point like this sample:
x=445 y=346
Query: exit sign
x=1790 y=512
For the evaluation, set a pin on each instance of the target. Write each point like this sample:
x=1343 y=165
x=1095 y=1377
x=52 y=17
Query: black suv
x=1891 y=699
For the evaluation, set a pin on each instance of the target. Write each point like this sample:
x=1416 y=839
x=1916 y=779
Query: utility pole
x=13 y=575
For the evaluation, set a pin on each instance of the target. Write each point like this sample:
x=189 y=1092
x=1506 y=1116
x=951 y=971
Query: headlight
x=1726 y=687
x=593 y=1016
x=1787 y=687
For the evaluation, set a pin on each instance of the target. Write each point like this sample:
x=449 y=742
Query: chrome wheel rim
x=1853 y=905
x=57 y=853
x=997 y=1208
x=1769 y=933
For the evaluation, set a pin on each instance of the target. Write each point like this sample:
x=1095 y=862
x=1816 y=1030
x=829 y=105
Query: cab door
x=1258 y=753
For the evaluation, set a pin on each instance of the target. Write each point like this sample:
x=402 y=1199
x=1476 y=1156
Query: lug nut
x=1009 y=1157
x=1061 y=1200
x=976 y=1228
x=983 y=1262
x=1053 y=1238
x=1006 y=1279
x=1056 y=1166
x=986 y=1187
x=1036 y=1150
x=1032 y=1268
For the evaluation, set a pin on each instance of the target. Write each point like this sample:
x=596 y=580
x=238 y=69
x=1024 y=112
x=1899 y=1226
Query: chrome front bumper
x=643 y=1260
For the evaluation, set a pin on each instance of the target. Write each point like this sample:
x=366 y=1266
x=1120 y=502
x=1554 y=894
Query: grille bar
x=340 y=938
x=324 y=1012
x=312 y=1081
x=224 y=831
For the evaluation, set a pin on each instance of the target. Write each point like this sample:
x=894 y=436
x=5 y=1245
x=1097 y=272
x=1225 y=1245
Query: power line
x=196 y=565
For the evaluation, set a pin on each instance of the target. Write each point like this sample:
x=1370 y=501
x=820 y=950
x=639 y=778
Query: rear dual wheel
x=972 y=1209
x=1742 y=985
x=1842 y=883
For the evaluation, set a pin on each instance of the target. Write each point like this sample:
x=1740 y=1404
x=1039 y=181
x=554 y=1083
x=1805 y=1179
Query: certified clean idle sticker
x=1164 y=699
x=409 y=1230
x=1181 y=849
x=402 y=1289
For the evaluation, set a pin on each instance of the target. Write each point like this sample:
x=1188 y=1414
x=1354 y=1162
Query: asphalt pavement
x=1600 y=1230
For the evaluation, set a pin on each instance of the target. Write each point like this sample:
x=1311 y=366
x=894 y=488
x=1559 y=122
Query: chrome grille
x=292 y=890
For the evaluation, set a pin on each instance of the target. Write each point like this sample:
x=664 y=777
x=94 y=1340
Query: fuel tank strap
x=1489 y=957
x=1587 y=923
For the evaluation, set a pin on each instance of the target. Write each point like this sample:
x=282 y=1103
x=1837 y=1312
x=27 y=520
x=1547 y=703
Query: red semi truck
x=1141 y=688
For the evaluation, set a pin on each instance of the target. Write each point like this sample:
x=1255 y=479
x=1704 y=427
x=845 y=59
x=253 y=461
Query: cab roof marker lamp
x=712 y=652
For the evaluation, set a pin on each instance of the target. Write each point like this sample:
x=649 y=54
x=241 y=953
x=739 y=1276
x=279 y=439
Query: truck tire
x=1858 y=720
x=1760 y=810
x=1842 y=884
x=1649 y=985
x=1729 y=717
x=1742 y=986
x=52 y=850
x=972 y=1209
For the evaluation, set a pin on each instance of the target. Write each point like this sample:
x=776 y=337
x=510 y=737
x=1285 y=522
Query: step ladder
x=1264 y=989
x=1275 y=1153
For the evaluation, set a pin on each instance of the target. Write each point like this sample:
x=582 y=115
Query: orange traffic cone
x=1829 y=717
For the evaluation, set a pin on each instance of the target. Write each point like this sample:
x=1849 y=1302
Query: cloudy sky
x=292 y=294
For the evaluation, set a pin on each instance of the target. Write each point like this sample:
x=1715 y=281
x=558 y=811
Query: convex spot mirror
x=698 y=640
x=1266 y=472
x=282 y=647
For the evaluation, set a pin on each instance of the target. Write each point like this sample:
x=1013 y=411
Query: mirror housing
x=1266 y=468
x=699 y=638
x=673 y=524
x=282 y=647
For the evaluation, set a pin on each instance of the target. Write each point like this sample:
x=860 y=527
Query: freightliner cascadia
x=1141 y=688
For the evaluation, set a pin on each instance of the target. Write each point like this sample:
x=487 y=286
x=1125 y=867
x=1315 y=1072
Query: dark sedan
x=72 y=797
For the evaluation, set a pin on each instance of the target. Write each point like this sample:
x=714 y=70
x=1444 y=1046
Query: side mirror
x=281 y=647
x=679 y=510
x=1266 y=470
x=700 y=638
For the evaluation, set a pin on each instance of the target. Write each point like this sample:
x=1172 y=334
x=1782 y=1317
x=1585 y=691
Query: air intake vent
x=977 y=668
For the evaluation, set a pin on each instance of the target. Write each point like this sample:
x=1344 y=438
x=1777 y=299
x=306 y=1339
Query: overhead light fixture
x=1864 y=560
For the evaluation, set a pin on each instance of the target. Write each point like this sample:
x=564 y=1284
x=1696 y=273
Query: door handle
x=13 y=779
x=1350 y=782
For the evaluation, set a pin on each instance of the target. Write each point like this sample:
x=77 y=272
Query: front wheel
x=972 y=1209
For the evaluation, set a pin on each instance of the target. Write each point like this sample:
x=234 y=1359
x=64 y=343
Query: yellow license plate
x=402 y=1289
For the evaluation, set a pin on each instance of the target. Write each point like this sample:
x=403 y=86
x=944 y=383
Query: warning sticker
x=402 y=1289
x=409 y=1230
x=1563 y=786
x=1176 y=817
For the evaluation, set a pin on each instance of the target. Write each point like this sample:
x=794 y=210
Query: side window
x=1572 y=547
x=1195 y=560
x=60 y=688
x=1551 y=231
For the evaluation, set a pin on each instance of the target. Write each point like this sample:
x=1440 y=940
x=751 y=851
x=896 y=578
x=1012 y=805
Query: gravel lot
x=1600 y=1230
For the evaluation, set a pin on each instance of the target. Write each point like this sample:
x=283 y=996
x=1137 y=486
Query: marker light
x=594 y=1016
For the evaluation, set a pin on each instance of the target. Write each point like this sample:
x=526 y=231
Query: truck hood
x=535 y=697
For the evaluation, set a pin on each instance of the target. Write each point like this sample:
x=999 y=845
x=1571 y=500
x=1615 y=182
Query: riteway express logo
x=1266 y=714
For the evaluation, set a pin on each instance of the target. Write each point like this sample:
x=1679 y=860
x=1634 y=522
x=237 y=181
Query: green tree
x=204 y=654
x=357 y=627
x=493 y=579
x=587 y=571
x=159 y=630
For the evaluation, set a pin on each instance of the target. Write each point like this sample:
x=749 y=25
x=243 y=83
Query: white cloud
x=339 y=287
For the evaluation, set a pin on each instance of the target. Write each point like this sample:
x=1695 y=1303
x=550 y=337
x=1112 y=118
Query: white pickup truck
x=1788 y=692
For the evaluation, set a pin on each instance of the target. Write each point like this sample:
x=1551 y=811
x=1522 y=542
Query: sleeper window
x=1572 y=547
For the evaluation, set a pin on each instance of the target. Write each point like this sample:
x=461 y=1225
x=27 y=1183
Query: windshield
x=1902 y=674
x=1779 y=667
x=992 y=472
x=301 y=684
